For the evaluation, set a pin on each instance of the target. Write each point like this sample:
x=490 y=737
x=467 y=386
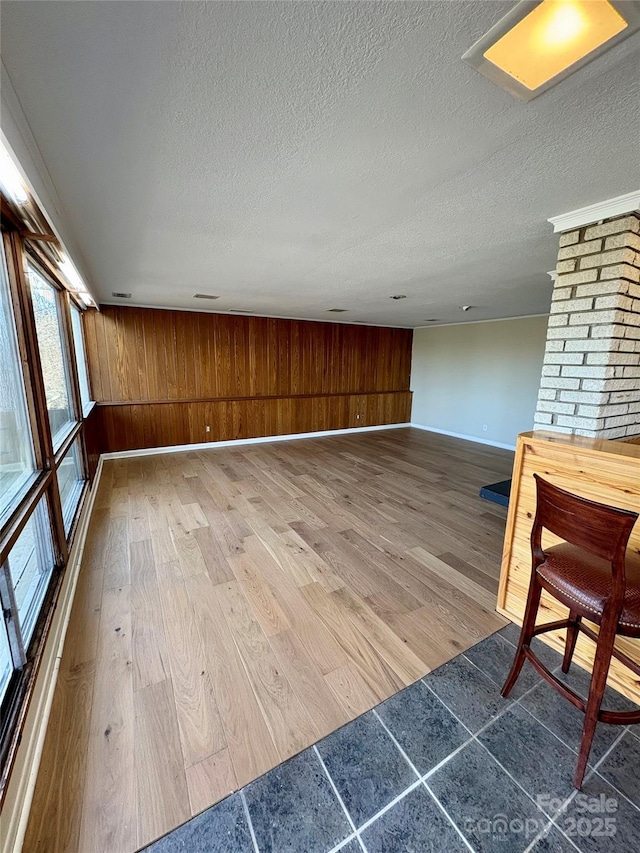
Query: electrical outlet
x=207 y=429
x=484 y=427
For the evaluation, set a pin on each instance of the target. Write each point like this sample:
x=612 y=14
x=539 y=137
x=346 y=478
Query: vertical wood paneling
x=161 y=376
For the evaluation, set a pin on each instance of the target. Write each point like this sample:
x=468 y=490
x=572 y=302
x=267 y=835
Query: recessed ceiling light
x=465 y=307
x=205 y=296
x=121 y=295
x=537 y=44
x=401 y=296
x=337 y=310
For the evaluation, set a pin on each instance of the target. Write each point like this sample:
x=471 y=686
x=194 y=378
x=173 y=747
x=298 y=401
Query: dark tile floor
x=445 y=765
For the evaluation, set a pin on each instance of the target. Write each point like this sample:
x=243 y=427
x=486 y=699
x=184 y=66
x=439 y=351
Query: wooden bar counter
x=602 y=470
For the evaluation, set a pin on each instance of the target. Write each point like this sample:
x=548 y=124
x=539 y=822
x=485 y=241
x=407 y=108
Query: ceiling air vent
x=240 y=311
x=337 y=310
x=205 y=296
x=121 y=295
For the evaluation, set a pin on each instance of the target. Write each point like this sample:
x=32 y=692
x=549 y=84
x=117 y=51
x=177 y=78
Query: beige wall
x=471 y=374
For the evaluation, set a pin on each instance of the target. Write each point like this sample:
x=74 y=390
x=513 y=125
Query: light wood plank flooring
x=237 y=604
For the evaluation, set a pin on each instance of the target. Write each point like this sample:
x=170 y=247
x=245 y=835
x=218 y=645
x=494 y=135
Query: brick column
x=590 y=381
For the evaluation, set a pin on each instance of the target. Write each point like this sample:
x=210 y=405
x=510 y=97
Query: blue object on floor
x=497 y=493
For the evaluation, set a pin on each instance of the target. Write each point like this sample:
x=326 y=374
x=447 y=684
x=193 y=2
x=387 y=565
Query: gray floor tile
x=221 y=829
x=494 y=657
x=469 y=693
x=599 y=820
x=622 y=767
x=488 y=806
x=580 y=679
x=413 y=824
x=422 y=725
x=541 y=763
x=352 y=846
x=635 y=730
x=511 y=633
x=566 y=721
x=366 y=767
x=553 y=841
x=549 y=656
x=293 y=808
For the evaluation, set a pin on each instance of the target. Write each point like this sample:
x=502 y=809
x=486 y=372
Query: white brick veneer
x=590 y=382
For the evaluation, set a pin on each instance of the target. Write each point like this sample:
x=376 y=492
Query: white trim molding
x=236 y=442
x=464 y=437
x=438 y=325
x=17 y=806
x=199 y=309
x=617 y=206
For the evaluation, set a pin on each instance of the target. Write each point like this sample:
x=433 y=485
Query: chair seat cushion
x=585 y=581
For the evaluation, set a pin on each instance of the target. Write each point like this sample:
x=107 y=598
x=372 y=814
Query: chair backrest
x=599 y=529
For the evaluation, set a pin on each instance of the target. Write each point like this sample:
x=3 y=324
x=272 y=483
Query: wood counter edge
x=595 y=446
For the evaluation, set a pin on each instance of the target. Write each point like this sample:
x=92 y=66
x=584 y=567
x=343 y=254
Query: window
x=81 y=361
x=16 y=450
x=52 y=355
x=70 y=483
x=42 y=453
x=30 y=564
x=6 y=663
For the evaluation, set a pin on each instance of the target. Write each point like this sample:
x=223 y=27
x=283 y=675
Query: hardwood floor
x=237 y=604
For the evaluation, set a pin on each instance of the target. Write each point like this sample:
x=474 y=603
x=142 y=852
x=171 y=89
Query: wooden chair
x=592 y=573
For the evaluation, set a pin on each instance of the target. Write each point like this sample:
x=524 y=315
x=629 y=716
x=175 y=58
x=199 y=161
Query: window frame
x=28 y=480
x=68 y=352
x=78 y=485
x=43 y=484
x=90 y=403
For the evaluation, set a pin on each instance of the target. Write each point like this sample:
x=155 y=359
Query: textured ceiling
x=295 y=157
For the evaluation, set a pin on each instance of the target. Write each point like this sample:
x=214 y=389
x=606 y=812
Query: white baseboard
x=208 y=445
x=15 y=813
x=465 y=437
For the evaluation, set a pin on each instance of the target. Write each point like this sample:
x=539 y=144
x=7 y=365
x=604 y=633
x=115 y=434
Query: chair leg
x=528 y=625
x=572 y=636
x=601 y=664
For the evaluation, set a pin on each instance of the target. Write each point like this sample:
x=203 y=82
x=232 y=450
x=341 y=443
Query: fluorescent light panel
x=11 y=179
x=15 y=187
x=538 y=44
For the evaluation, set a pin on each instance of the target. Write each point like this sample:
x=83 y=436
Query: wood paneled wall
x=161 y=377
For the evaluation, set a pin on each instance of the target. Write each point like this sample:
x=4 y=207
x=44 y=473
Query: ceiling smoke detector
x=205 y=296
x=121 y=295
